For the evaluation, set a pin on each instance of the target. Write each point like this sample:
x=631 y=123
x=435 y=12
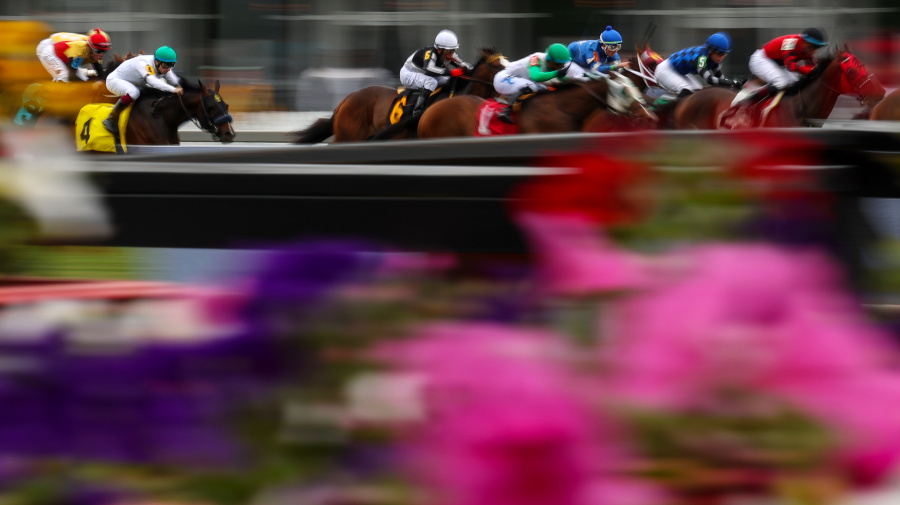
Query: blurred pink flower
x=507 y=423
x=765 y=320
x=574 y=257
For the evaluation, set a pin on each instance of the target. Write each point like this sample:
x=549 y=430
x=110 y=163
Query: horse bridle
x=856 y=89
x=210 y=125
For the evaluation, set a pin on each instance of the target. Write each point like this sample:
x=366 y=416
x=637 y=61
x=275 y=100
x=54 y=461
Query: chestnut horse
x=565 y=109
x=887 y=109
x=838 y=74
x=364 y=113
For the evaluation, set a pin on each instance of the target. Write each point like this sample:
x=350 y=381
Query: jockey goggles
x=166 y=64
x=614 y=47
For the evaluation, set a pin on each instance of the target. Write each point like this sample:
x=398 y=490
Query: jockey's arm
x=154 y=81
x=537 y=75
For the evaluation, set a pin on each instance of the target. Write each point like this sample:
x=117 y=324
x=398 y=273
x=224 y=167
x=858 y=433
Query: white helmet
x=446 y=40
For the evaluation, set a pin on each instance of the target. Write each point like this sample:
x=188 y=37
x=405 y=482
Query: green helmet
x=165 y=54
x=558 y=53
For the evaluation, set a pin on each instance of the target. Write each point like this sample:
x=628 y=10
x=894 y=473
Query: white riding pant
x=507 y=84
x=418 y=80
x=771 y=71
x=56 y=67
x=122 y=87
x=673 y=81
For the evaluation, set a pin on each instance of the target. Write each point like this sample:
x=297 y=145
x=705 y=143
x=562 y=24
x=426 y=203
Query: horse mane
x=484 y=52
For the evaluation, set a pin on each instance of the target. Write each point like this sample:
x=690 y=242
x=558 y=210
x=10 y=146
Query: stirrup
x=111 y=125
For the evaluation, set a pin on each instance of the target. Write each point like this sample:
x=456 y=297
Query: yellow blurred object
x=249 y=97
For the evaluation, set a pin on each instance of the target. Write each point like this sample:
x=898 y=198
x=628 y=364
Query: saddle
x=745 y=113
x=91 y=135
x=403 y=104
x=487 y=124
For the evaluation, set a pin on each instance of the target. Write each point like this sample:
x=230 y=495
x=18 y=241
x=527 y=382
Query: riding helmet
x=815 y=36
x=98 y=40
x=719 y=41
x=610 y=36
x=558 y=53
x=446 y=40
x=165 y=54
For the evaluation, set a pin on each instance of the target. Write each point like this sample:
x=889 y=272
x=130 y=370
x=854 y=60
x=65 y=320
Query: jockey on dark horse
x=432 y=66
x=693 y=68
x=782 y=61
x=154 y=70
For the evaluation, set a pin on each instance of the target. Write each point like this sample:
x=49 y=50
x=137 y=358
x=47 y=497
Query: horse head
x=856 y=80
x=213 y=115
x=637 y=106
x=490 y=61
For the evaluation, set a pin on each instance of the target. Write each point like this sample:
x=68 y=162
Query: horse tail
x=317 y=132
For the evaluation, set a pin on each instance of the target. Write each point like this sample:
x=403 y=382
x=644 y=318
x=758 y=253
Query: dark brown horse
x=156 y=115
x=565 y=109
x=887 y=109
x=838 y=74
x=364 y=113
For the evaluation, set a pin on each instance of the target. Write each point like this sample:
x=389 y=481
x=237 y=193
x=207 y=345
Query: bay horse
x=564 y=109
x=837 y=74
x=887 y=109
x=156 y=115
x=364 y=113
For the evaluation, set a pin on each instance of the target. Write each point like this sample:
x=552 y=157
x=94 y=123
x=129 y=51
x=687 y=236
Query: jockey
x=127 y=80
x=66 y=54
x=432 y=66
x=532 y=73
x=676 y=73
x=781 y=61
x=601 y=55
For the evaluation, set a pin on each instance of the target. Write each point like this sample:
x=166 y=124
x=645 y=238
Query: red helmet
x=98 y=41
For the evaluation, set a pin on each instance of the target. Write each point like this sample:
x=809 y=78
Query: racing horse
x=363 y=113
x=813 y=98
x=156 y=115
x=564 y=109
x=887 y=109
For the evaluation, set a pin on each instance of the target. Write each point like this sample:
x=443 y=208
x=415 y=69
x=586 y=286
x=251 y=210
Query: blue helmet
x=719 y=41
x=610 y=36
x=815 y=36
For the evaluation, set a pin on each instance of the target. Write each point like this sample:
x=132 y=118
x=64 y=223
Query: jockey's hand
x=623 y=64
x=179 y=90
x=467 y=66
x=456 y=72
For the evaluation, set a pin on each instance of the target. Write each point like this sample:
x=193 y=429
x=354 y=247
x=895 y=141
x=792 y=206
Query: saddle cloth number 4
x=90 y=134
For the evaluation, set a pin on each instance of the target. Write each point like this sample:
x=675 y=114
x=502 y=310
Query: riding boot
x=111 y=123
x=684 y=93
x=419 y=108
x=510 y=102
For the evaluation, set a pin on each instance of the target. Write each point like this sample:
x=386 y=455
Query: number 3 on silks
x=397 y=111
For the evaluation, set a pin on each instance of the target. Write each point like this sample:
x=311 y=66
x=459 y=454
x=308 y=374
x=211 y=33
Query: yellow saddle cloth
x=91 y=135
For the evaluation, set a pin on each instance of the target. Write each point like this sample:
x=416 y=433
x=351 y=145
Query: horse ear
x=141 y=51
x=217 y=85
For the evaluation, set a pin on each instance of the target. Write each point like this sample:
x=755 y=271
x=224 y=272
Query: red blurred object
x=602 y=189
x=880 y=53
